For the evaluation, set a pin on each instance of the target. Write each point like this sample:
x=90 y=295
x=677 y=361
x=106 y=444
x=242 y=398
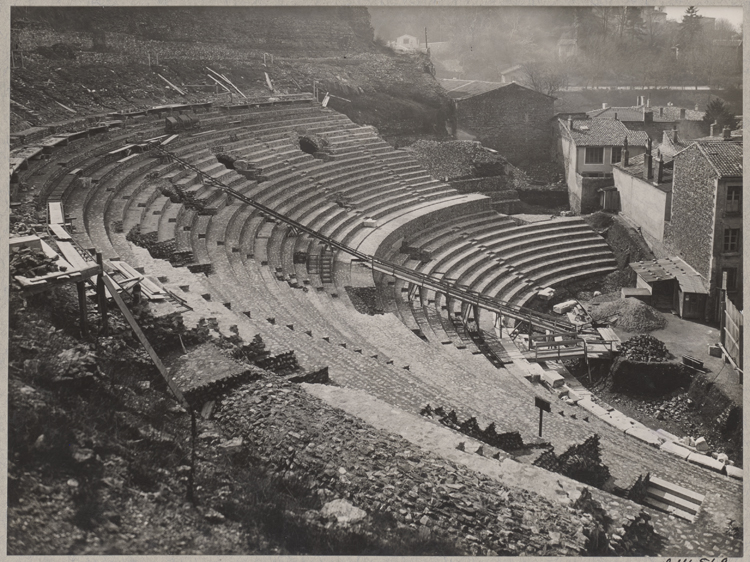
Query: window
x=731 y=239
x=734 y=198
x=594 y=155
x=616 y=154
x=731 y=278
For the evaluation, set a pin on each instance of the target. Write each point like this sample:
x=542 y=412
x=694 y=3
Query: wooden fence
x=731 y=335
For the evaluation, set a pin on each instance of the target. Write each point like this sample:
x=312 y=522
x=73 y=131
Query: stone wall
x=583 y=193
x=642 y=202
x=648 y=378
x=515 y=121
x=690 y=232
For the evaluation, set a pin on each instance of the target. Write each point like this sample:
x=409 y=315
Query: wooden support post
x=193 y=439
x=723 y=308
x=144 y=342
x=101 y=295
x=81 y=285
x=541 y=415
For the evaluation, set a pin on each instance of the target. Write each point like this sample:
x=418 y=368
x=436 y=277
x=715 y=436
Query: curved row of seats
x=260 y=267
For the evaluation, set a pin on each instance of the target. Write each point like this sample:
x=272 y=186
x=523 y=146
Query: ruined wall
x=515 y=121
x=642 y=202
x=690 y=232
x=648 y=378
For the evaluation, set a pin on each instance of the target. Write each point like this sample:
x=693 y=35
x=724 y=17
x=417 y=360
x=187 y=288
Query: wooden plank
x=59 y=231
x=178 y=90
x=72 y=255
x=150 y=288
x=170 y=139
x=142 y=338
x=55 y=211
x=219 y=83
x=121 y=160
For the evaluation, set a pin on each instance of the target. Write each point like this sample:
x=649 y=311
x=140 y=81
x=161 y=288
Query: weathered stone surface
x=344 y=512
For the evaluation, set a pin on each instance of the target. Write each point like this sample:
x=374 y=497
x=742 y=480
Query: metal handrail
x=534 y=318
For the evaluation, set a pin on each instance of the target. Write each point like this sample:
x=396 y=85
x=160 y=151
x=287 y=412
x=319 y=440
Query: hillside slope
x=74 y=61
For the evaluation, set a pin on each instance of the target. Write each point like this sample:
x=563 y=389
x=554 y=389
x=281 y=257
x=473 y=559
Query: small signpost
x=544 y=406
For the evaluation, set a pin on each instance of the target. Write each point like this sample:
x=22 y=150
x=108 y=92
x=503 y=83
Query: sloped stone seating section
x=263 y=279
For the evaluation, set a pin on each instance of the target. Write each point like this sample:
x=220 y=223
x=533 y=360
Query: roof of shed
x=462 y=89
x=603 y=132
x=671 y=268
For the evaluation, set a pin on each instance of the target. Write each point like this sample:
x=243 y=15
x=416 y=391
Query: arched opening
x=308 y=145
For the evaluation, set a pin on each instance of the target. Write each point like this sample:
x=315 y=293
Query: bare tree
x=545 y=78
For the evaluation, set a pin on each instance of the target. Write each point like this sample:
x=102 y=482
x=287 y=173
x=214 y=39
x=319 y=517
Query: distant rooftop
x=603 y=132
x=724 y=156
x=662 y=113
x=462 y=89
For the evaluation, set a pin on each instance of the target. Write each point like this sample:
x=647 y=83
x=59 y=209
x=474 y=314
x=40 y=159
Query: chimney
x=661 y=112
x=674 y=135
x=714 y=129
x=682 y=113
x=727 y=133
x=615 y=116
x=659 y=168
x=638 y=102
x=605 y=106
x=570 y=123
x=648 y=102
x=648 y=116
x=647 y=161
x=625 y=153
x=696 y=107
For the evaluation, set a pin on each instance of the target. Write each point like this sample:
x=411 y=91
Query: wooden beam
x=219 y=83
x=227 y=80
x=82 y=306
x=142 y=338
x=178 y=90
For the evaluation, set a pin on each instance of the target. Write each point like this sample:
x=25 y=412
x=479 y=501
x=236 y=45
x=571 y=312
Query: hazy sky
x=733 y=13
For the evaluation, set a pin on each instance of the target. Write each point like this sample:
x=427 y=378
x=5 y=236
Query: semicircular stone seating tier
x=259 y=269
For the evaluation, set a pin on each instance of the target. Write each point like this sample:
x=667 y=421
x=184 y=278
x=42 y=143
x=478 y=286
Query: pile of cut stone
x=28 y=262
x=644 y=348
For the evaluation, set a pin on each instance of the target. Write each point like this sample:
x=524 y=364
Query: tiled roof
x=462 y=89
x=636 y=169
x=669 y=113
x=668 y=147
x=671 y=268
x=724 y=156
x=603 y=132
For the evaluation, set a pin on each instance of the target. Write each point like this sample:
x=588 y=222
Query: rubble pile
x=630 y=315
x=164 y=250
x=205 y=372
x=636 y=538
x=509 y=441
x=21 y=220
x=365 y=300
x=582 y=462
x=457 y=159
x=645 y=348
x=28 y=262
x=545 y=172
x=387 y=477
